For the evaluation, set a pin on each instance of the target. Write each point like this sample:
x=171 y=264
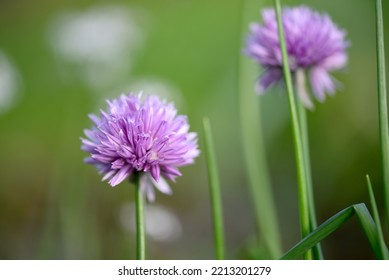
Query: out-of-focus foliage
x=59 y=61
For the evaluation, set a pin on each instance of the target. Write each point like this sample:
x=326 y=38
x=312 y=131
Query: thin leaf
x=303 y=192
x=369 y=227
x=214 y=187
x=254 y=147
x=382 y=104
x=377 y=220
x=319 y=234
x=302 y=112
x=333 y=224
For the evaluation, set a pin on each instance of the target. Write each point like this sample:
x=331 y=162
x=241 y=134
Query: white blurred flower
x=161 y=224
x=9 y=83
x=102 y=41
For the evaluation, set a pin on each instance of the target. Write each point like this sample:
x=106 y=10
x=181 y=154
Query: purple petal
x=162 y=186
x=155 y=172
x=102 y=158
x=122 y=174
x=118 y=164
x=171 y=170
x=109 y=174
x=321 y=83
x=301 y=89
x=146 y=187
x=335 y=62
x=270 y=77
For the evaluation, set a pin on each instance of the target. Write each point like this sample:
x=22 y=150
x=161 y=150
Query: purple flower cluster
x=315 y=46
x=144 y=136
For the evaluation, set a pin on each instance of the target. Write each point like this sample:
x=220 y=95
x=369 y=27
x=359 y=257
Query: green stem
x=216 y=204
x=376 y=216
x=254 y=147
x=382 y=105
x=317 y=251
x=298 y=143
x=140 y=221
x=334 y=223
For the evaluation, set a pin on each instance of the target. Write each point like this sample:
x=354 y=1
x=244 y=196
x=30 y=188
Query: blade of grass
x=377 y=220
x=298 y=143
x=370 y=229
x=302 y=112
x=382 y=105
x=333 y=224
x=253 y=145
x=140 y=221
x=319 y=234
x=214 y=187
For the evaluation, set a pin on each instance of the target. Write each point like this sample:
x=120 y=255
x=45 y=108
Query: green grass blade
x=140 y=221
x=316 y=250
x=214 y=185
x=382 y=105
x=298 y=143
x=377 y=220
x=253 y=145
x=333 y=224
x=319 y=233
x=370 y=229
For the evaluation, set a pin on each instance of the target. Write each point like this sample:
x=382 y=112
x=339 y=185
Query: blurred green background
x=60 y=60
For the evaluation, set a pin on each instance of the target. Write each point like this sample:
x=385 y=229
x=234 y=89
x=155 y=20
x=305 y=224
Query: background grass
x=52 y=206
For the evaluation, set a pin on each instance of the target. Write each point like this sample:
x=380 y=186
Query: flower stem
x=382 y=105
x=317 y=251
x=298 y=143
x=377 y=220
x=140 y=221
x=254 y=147
x=214 y=187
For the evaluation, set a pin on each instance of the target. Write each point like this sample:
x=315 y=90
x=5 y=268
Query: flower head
x=144 y=136
x=315 y=46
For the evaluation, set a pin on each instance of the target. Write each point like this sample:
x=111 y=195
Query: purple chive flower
x=315 y=45
x=144 y=136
